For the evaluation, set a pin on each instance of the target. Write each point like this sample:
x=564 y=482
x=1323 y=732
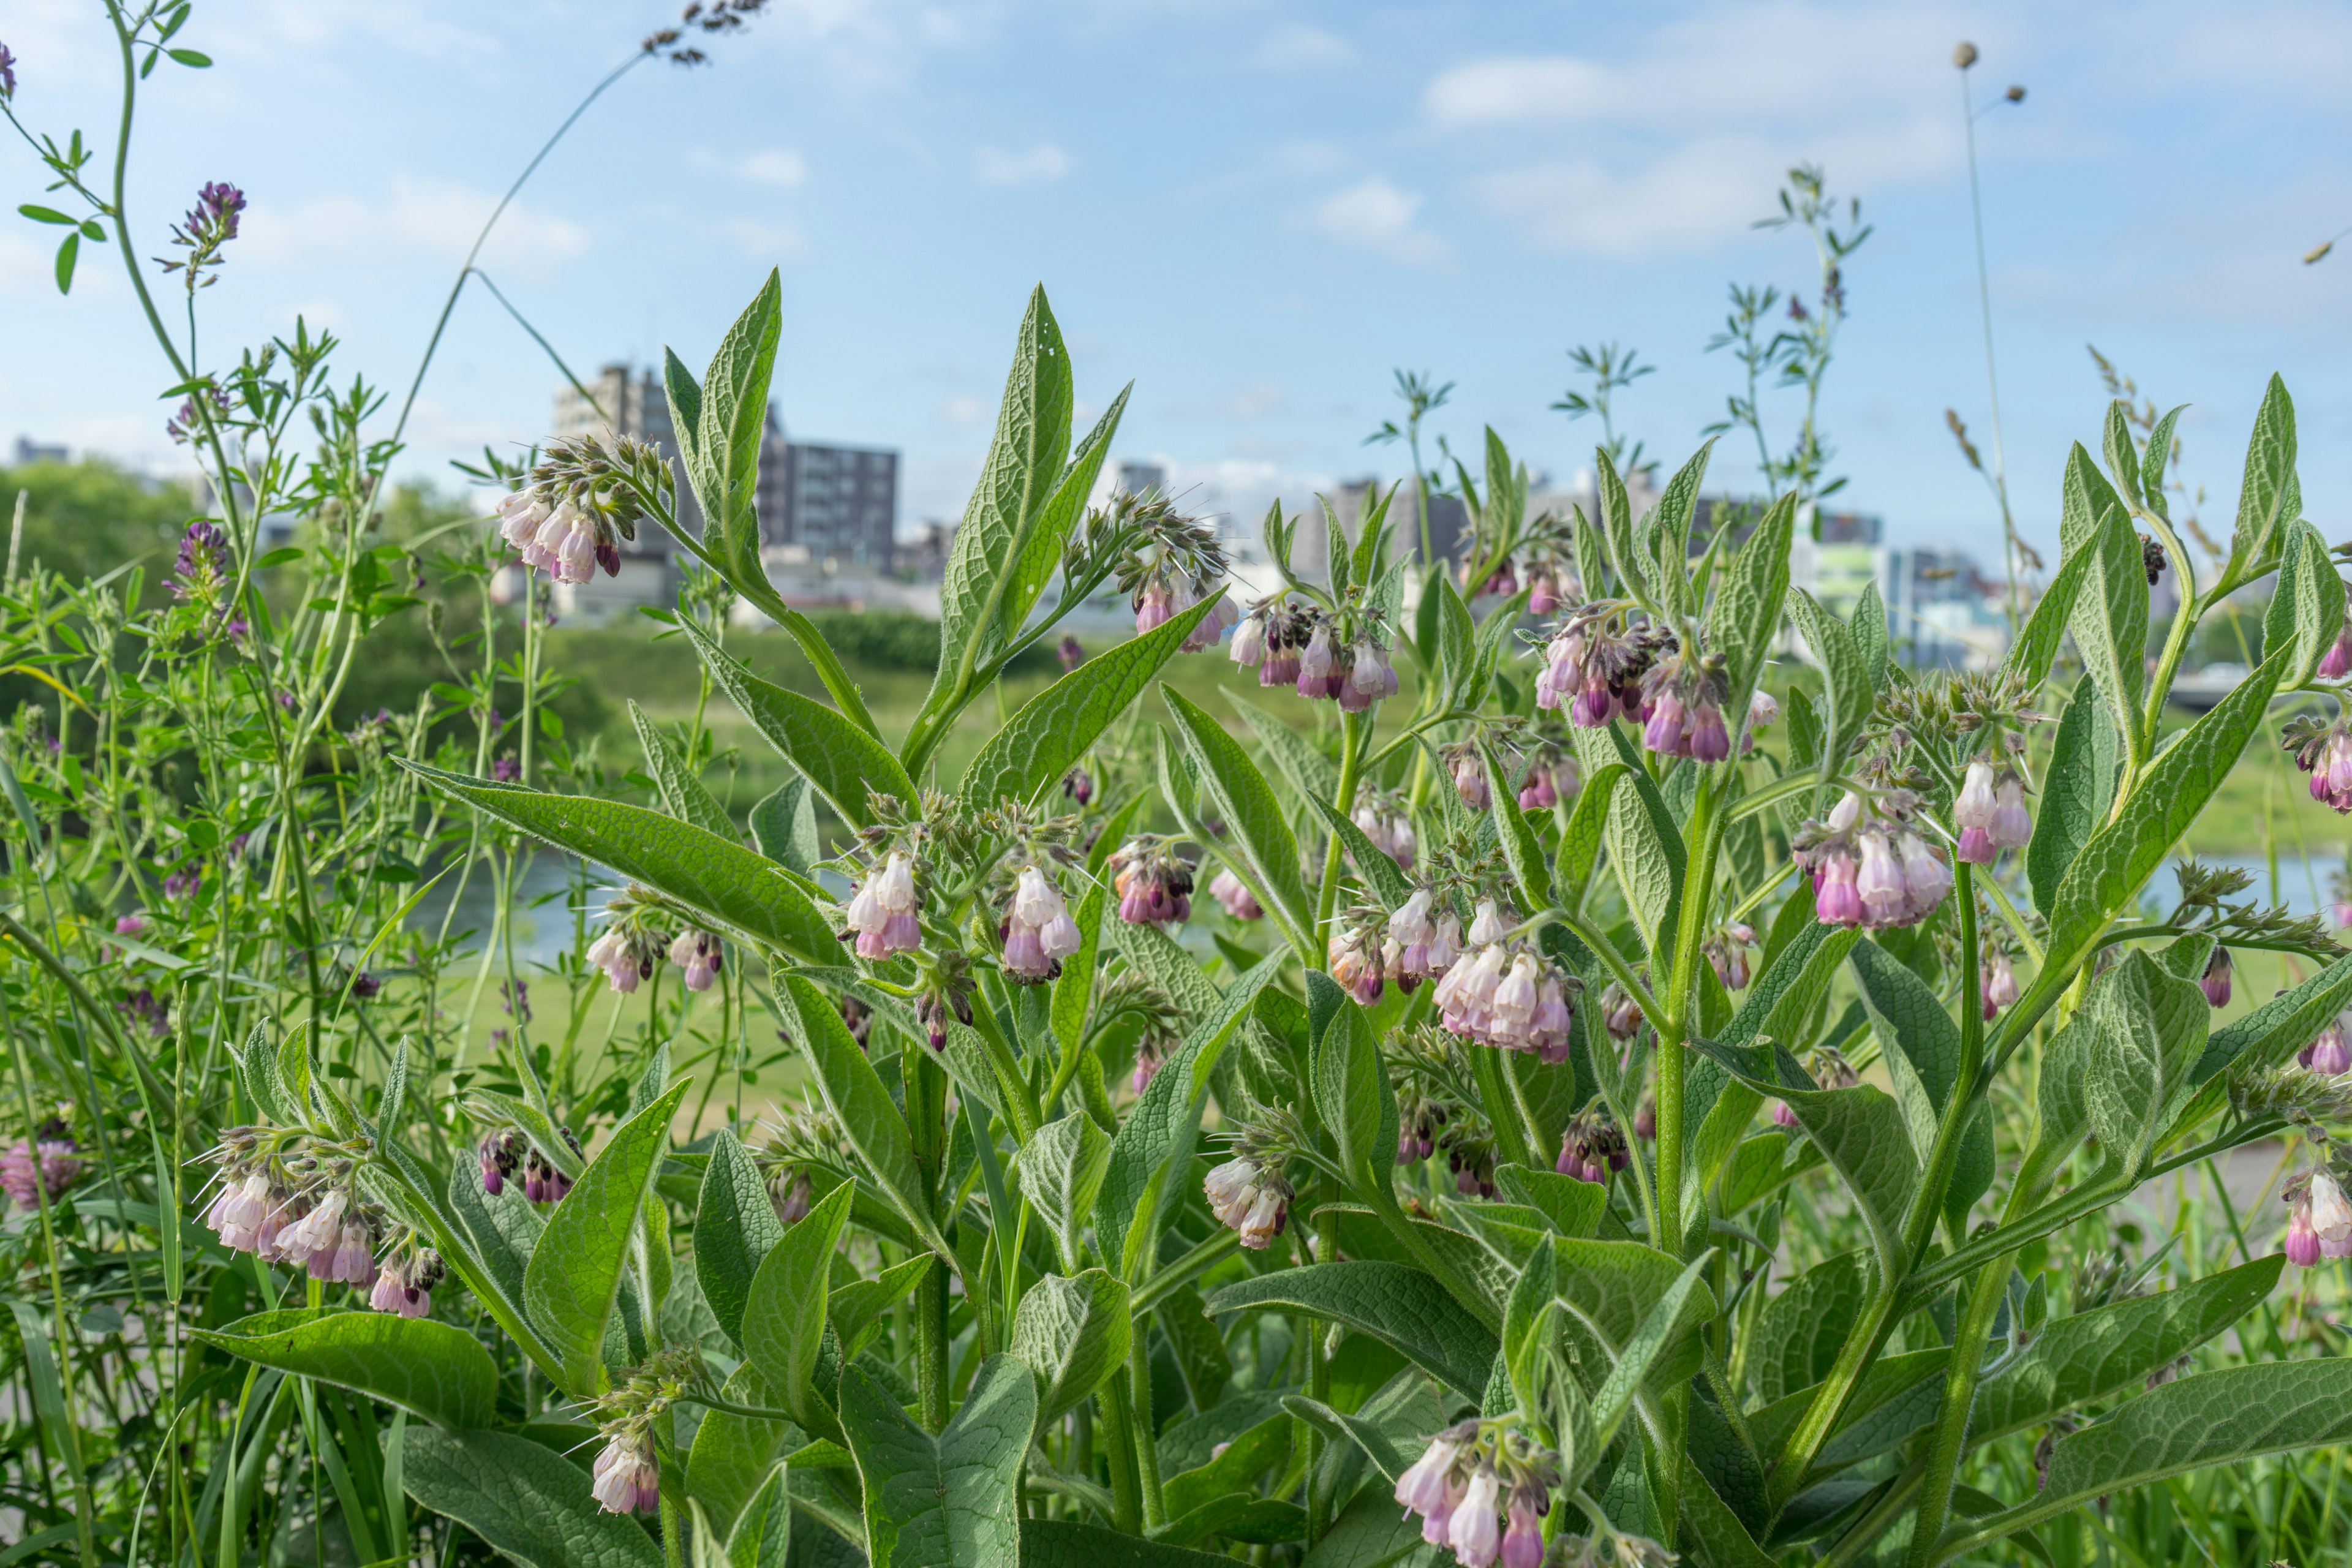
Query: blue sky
x=1255 y=210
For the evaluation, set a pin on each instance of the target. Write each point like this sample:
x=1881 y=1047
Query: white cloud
x=1040 y=165
x=963 y=410
x=1374 y=215
x=433 y=217
x=767 y=241
x=781 y=166
x=1297 y=46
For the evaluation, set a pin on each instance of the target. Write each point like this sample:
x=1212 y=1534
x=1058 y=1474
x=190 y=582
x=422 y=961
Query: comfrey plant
x=1526 y=897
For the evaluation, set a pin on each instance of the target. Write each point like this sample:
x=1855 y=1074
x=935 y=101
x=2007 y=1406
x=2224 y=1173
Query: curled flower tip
x=627 y=1475
x=698 y=952
x=1470 y=781
x=2337 y=661
x=1238 y=902
x=1782 y=1115
x=792 y=1196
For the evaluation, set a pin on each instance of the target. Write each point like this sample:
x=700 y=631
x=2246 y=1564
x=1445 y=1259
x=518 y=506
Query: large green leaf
x=2149 y=1028
x=1579 y=842
x=1846 y=685
x=721 y=877
x=868 y=1118
x=1061 y=1172
x=784 y=826
x=2282 y=1026
x=682 y=790
x=1749 y=593
x=1301 y=765
x=1038 y=745
x=1864 y=1135
x=1645 y=847
x=841 y=760
x=1154 y=1147
x=733 y=1456
x=949 y=1501
x=2307 y=608
x=1611 y=1288
x=1923 y=1058
x=988 y=566
x=1351 y=1089
x=1636 y=570
x=2076 y=1361
x=1393 y=1302
x=2038 y=641
x=762 y=1535
x=1262 y=840
x=1066 y=1543
x=2215 y=1418
x=1669 y=523
x=1639 y=1354
x=1164 y=959
x=2110 y=619
x=784 y=1312
x=2269 y=496
x=854 y=1307
x=576 y=1271
x=1521 y=852
x=1071 y=1334
x=523 y=1499
x=720 y=425
x=2078 y=788
x=1803 y=1327
x=2109 y=870
x=1381 y=875
x=426 y=1368
x=734 y=1226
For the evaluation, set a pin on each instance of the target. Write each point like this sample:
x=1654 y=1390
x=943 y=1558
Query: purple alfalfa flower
x=7 y=73
x=183 y=882
x=364 y=986
x=218 y=206
x=28 y=1168
x=201 y=568
x=143 y=1006
x=506 y=770
x=1072 y=654
x=514 y=996
x=189 y=422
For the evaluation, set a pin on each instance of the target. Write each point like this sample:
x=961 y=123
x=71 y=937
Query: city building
x=924 y=557
x=837 y=503
x=1137 y=479
x=29 y=451
x=635 y=405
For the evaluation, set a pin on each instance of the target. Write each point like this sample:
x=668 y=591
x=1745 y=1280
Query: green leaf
x=69 y=252
x=1862 y=1134
x=2074 y=1362
x=574 y=1274
x=986 y=575
x=784 y=1313
x=256 y=1062
x=1381 y=874
x=733 y=1457
x=40 y=213
x=949 y=1501
x=1868 y=624
x=2037 y=644
x=504 y=1231
x=688 y=798
x=1073 y=989
x=2269 y=497
x=1923 y=1056
x=784 y=825
x=2307 y=608
x=1302 y=765
x=1521 y=851
x=193 y=58
x=735 y=1224
x=1635 y=570
x=2215 y=1418
x=2110 y=619
x=723 y=461
x=1393 y=1302
x=842 y=762
x=1638 y=1355
x=1158 y=955
x=1061 y=1173
x=1748 y=597
x=2149 y=1029
x=1846 y=675
x=2109 y=870
x=1351 y=1089
x=1669 y=519
x=762 y=1536
x=868 y=1119
x=1803 y=1328
x=1645 y=847
x=426 y=1368
x=1071 y=1334
x=1571 y=1207
x=726 y=882
x=2123 y=456
x=1065 y=1543
x=1775 y=1008
x=2282 y=1026
x=1457 y=637
x=1262 y=840
x=1609 y=1288
x=1154 y=1146
x=1036 y=747
x=522 y=1498
x=1525 y=1319
x=854 y=1307
x=1579 y=842
x=2078 y=788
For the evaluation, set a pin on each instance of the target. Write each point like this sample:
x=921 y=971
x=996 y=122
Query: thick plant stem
x=927 y=1121
x=1351 y=754
x=1119 y=1447
x=1951 y=1440
x=1820 y=1418
x=1147 y=1443
x=1705 y=838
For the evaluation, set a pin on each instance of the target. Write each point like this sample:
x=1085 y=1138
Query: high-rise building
x=827 y=503
x=1142 y=479
x=635 y=405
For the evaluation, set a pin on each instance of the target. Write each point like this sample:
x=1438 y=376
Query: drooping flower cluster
x=49 y=1163
x=1552 y=776
x=581 y=501
x=1727 y=955
x=626 y=953
x=1077 y=786
x=949 y=996
x=2319 y=1219
x=884 y=914
x=404 y=1282
x=1620 y=1013
x=2324 y=752
x=1596 y=666
x=699 y=953
x=2215 y=981
x=200 y=575
x=627 y=1474
x=501 y=1152
x=1427 y=936
x=1154 y=883
x=1383 y=816
x=1869 y=864
x=498 y=1156
x=563 y=540
x=1682 y=707
x=1829 y=1069
x=1036 y=930
x=207 y=229
x=1483 y=1488
x=1357 y=956
x=1998 y=979
x=1270 y=640
x=1248 y=1193
x=1503 y=993
x=282 y=1200
x=1469 y=772
x=1234 y=896
x=1990 y=813
x=1163 y=600
x=1592 y=1148
x=792 y=1196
